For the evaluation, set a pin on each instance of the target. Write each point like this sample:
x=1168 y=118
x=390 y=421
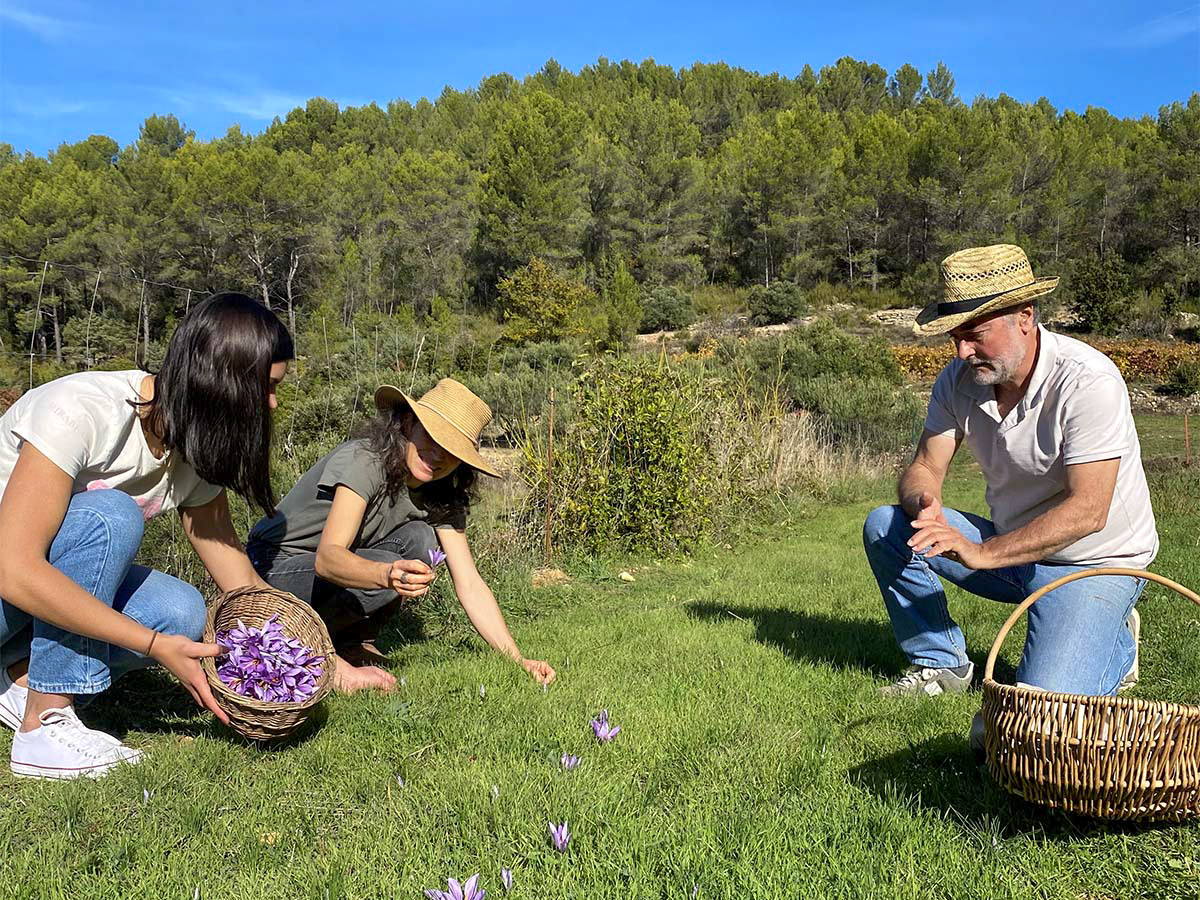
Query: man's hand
x=931 y=510
x=939 y=539
x=410 y=577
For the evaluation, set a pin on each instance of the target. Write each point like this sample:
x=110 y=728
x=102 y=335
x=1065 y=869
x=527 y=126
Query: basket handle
x=1067 y=579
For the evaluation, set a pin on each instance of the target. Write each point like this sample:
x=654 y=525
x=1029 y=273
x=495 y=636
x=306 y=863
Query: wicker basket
x=257 y=719
x=1106 y=757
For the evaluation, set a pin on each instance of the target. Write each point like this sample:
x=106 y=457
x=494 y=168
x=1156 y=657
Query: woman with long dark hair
x=362 y=531
x=85 y=460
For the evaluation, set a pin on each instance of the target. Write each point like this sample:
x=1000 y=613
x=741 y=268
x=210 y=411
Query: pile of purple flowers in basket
x=265 y=664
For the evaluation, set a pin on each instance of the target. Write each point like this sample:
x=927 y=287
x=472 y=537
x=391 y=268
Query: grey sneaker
x=1134 y=624
x=929 y=681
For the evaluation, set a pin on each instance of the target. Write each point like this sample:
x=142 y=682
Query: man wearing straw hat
x=1048 y=420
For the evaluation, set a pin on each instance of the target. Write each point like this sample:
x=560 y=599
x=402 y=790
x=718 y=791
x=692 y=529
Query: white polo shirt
x=1076 y=410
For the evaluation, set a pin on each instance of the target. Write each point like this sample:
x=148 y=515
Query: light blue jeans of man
x=1077 y=641
x=95 y=548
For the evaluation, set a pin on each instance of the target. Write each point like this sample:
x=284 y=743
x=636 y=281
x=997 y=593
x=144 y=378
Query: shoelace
x=917 y=676
x=66 y=729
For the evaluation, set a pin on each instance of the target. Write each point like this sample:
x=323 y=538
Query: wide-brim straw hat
x=452 y=415
x=978 y=281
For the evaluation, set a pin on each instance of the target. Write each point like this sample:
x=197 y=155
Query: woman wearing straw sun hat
x=362 y=531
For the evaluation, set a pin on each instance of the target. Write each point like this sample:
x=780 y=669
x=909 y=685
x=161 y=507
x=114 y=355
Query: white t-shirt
x=1076 y=410
x=86 y=426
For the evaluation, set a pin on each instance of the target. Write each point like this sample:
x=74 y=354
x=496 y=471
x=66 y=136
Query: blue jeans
x=1077 y=641
x=95 y=548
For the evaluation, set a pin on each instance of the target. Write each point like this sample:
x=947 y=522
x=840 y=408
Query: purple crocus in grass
x=506 y=878
x=569 y=762
x=559 y=836
x=456 y=891
x=266 y=664
x=436 y=557
x=602 y=729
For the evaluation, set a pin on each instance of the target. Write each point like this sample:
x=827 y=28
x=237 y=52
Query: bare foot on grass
x=348 y=678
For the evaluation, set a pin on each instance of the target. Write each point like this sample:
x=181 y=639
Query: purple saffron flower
x=456 y=891
x=569 y=762
x=602 y=729
x=266 y=664
x=559 y=836
x=436 y=557
x=506 y=878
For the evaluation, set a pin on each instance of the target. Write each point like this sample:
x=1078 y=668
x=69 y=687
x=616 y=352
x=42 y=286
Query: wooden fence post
x=549 y=477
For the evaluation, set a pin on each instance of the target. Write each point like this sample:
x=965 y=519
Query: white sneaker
x=12 y=700
x=62 y=747
x=929 y=681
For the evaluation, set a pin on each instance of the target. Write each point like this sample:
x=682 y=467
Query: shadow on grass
x=942 y=775
x=151 y=702
x=813 y=638
x=863 y=644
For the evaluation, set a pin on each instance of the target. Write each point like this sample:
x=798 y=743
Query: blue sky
x=70 y=68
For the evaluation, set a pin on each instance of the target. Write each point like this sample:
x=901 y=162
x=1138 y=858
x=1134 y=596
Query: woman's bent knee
x=183 y=612
x=121 y=516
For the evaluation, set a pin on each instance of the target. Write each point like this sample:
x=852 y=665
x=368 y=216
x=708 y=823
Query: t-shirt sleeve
x=939 y=417
x=355 y=467
x=1093 y=427
x=61 y=428
x=201 y=494
x=454 y=517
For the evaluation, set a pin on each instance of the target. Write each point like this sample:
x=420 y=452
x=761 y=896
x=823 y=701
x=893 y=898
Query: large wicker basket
x=1106 y=757
x=257 y=719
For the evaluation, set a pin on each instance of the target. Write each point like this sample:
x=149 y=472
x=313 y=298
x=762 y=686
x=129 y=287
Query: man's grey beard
x=997 y=371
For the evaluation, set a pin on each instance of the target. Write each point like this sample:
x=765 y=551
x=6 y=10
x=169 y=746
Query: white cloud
x=262 y=105
x=258 y=105
x=46 y=27
x=1160 y=31
x=47 y=108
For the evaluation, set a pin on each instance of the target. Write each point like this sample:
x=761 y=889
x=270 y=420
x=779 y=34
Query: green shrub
x=882 y=298
x=631 y=471
x=540 y=302
x=861 y=411
x=781 y=302
x=822 y=349
x=1184 y=380
x=822 y=295
x=719 y=301
x=1098 y=288
x=666 y=308
x=519 y=397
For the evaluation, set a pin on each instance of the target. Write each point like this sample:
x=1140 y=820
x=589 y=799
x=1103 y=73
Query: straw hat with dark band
x=451 y=414
x=978 y=281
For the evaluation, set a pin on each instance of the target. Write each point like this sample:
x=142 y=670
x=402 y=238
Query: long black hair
x=210 y=395
x=386 y=436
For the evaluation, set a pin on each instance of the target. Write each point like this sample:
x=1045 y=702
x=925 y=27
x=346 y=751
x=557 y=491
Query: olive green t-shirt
x=300 y=517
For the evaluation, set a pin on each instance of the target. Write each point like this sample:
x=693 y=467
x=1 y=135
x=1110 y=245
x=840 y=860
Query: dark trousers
x=350 y=614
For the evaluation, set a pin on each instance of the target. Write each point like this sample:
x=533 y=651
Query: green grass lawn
x=755 y=758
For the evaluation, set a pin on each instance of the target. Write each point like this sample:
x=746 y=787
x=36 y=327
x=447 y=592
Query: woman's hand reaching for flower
x=541 y=672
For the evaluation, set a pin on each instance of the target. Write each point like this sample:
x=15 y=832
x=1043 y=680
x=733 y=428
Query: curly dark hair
x=386 y=435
